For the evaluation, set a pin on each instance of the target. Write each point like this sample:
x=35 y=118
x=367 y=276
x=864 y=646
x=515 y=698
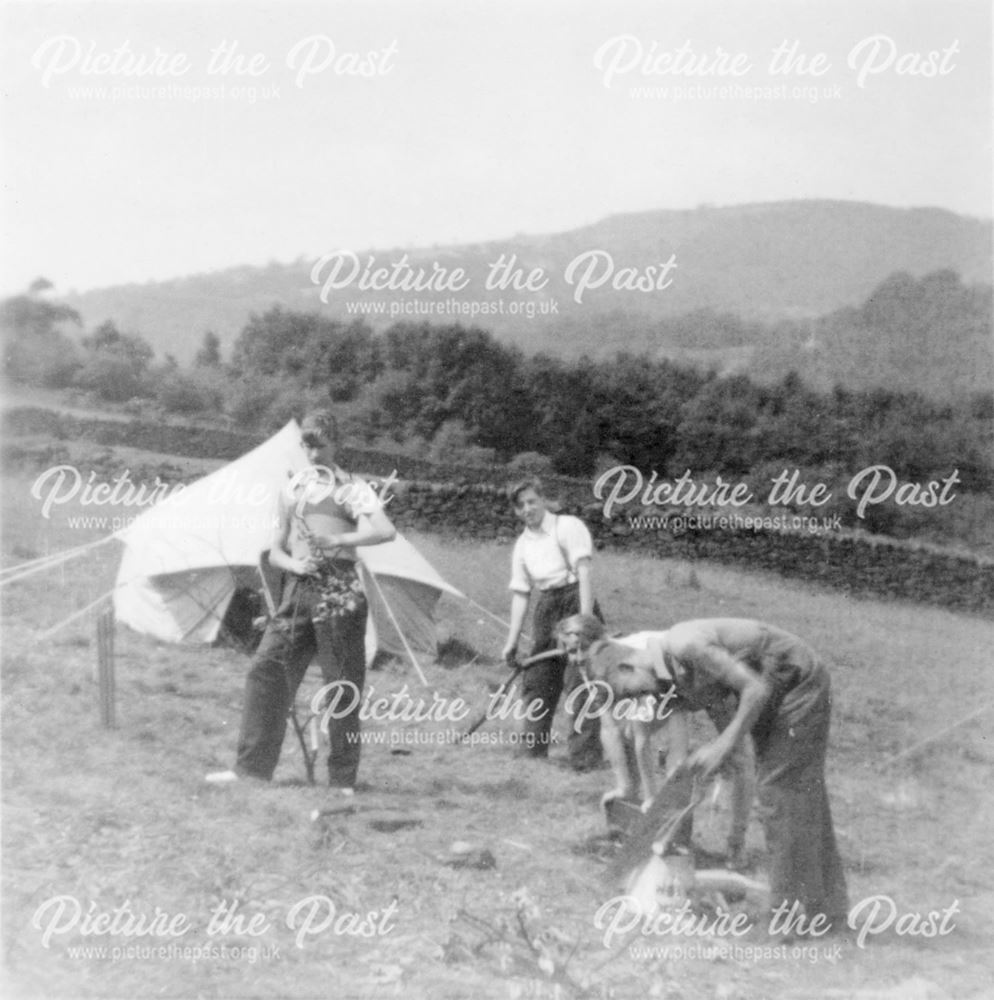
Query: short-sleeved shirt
x=330 y=510
x=649 y=642
x=547 y=557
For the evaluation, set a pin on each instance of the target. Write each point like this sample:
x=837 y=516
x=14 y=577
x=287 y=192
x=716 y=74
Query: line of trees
x=110 y=366
x=456 y=394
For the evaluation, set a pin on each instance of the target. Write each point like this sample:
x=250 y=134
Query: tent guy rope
x=50 y=562
x=396 y=625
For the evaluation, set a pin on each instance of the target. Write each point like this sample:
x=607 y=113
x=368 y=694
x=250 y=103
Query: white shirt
x=547 y=556
x=647 y=641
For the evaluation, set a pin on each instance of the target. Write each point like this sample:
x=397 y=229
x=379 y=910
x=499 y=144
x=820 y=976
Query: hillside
x=760 y=290
x=762 y=261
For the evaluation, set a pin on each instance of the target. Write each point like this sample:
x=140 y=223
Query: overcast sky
x=366 y=124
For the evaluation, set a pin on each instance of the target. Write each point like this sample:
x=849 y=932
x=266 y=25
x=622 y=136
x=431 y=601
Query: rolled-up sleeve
x=361 y=498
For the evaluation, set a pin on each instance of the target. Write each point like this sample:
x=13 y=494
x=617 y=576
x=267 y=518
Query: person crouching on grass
x=553 y=557
x=784 y=701
x=322 y=614
x=628 y=729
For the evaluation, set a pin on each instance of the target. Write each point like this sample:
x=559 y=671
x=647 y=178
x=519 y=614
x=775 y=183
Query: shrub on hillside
x=33 y=347
x=529 y=463
x=248 y=398
x=291 y=403
x=179 y=392
x=111 y=377
x=51 y=361
x=453 y=445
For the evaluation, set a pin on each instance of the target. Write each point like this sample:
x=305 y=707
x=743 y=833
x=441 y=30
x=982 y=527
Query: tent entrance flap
x=413 y=607
x=177 y=607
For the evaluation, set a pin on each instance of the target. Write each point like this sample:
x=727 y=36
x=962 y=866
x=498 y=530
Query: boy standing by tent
x=321 y=521
x=553 y=556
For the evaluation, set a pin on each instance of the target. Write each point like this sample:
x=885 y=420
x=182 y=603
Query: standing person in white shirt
x=553 y=557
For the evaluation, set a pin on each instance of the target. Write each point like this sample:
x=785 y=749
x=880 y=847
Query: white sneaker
x=221 y=777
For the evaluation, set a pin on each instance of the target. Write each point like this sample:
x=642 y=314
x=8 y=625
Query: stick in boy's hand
x=517 y=667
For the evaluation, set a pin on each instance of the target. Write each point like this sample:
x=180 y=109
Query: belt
x=562 y=586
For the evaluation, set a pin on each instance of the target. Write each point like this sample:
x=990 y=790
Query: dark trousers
x=291 y=641
x=543 y=683
x=804 y=858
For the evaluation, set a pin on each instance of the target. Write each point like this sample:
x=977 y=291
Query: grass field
x=120 y=820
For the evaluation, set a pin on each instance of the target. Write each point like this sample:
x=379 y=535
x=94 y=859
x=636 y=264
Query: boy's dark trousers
x=290 y=642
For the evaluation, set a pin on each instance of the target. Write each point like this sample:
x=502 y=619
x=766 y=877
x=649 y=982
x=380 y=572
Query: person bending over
x=783 y=699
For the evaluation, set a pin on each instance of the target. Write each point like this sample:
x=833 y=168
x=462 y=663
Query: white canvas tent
x=185 y=558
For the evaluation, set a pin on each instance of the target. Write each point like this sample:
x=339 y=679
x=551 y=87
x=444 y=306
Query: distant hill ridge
x=762 y=262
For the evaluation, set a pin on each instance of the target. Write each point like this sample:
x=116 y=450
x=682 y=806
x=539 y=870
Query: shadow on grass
x=453 y=652
x=510 y=788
